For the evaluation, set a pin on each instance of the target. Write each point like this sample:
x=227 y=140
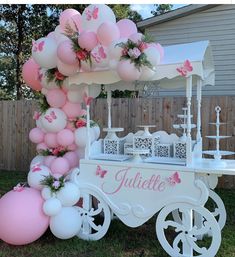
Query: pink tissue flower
x=59 y=76
x=143 y=46
x=80 y=123
x=134 y=53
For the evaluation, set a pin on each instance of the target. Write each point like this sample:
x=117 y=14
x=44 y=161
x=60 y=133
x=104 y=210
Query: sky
x=145 y=9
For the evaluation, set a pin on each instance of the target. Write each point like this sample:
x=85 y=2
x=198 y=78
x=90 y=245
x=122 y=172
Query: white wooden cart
x=136 y=185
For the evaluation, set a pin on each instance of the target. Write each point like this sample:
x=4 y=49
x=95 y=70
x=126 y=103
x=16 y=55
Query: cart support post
x=87 y=150
x=189 y=139
x=109 y=102
x=199 y=99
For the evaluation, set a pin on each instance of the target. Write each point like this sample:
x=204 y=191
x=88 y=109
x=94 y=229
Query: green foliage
x=43 y=104
x=161 y=9
x=53 y=75
x=53 y=183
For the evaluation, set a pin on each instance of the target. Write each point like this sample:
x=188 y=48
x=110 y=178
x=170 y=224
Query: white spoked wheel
x=182 y=239
x=219 y=212
x=96 y=216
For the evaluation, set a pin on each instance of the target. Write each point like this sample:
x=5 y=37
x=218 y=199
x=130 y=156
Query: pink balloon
x=127 y=71
x=56 y=98
x=70 y=17
x=22 y=220
x=67 y=70
x=160 y=49
x=72 y=110
x=72 y=147
x=126 y=27
x=30 y=73
x=136 y=37
x=48 y=160
x=72 y=158
x=66 y=53
x=108 y=32
x=57 y=176
x=87 y=40
x=36 y=135
x=60 y=166
x=41 y=146
x=51 y=140
x=70 y=126
x=65 y=137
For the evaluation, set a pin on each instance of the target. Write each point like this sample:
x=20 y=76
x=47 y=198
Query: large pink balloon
x=108 y=32
x=22 y=220
x=72 y=110
x=126 y=28
x=66 y=53
x=127 y=71
x=72 y=18
x=56 y=98
x=60 y=166
x=87 y=40
x=36 y=135
x=66 y=69
x=65 y=137
x=72 y=158
x=30 y=73
x=48 y=160
x=51 y=140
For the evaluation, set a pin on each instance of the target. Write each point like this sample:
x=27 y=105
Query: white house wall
x=216 y=24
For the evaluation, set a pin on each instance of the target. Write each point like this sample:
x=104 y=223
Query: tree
x=161 y=9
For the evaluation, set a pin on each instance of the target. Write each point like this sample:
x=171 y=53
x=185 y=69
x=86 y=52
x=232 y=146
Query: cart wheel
x=183 y=235
x=219 y=212
x=96 y=216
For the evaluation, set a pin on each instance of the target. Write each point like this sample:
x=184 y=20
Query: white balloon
x=81 y=153
x=39 y=159
x=95 y=14
x=114 y=50
x=39 y=124
x=153 y=55
x=35 y=177
x=68 y=195
x=81 y=136
x=52 y=207
x=44 y=52
x=76 y=95
x=146 y=73
x=113 y=64
x=93 y=90
x=54 y=120
x=66 y=223
x=46 y=193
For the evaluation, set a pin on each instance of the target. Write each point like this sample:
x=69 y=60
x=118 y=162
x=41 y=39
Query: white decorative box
x=113 y=146
x=179 y=150
x=127 y=146
x=163 y=150
x=146 y=142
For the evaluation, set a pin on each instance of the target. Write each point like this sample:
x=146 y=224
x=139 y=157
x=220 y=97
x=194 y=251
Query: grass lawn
x=120 y=241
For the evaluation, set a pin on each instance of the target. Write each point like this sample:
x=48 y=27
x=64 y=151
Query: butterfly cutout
x=187 y=67
x=40 y=75
x=98 y=56
x=51 y=117
x=38 y=46
x=174 y=179
x=36 y=167
x=92 y=14
x=36 y=115
x=100 y=172
x=18 y=188
x=87 y=99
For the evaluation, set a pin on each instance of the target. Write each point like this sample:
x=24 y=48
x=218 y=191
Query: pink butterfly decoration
x=51 y=117
x=38 y=46
x=87 y=99
x=98 y=56
x=187 y=67
x=36 y=115
x=18 y=188
x=174 y=179
x=100 y=172
x=92 y=14
x=36 y=167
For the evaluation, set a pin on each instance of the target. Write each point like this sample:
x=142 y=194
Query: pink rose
x=82 y=55
x=59 y=75
x=134 y=53
x=80 y=123
x=143 y=46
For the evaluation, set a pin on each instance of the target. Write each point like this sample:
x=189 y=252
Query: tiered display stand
x=135 y=189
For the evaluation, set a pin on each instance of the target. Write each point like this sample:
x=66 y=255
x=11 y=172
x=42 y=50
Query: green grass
x=120 y=241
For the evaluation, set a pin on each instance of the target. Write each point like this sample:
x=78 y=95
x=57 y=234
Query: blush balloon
x=48 y=160
x=66 y=69
x=56 y=98
x=41 y=146
x=65 y=137
x=72 y=110
x=87 y=40
x=136 y=37
x=66 y=53
x=36 y=135
x=70 y=17
x=127 y=71
x=60 y=166
x=126 y=28
x=22 y=220
x=51 y=140
x=72 y=159
x=108 y=32
x=30 y=73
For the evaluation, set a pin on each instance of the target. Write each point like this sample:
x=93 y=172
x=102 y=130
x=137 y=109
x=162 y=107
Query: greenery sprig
x=58 y=151
x=43 y=104
x=53 y=183
x=53 y=75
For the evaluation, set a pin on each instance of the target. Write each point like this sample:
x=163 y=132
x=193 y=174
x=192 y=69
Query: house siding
x=216 y=24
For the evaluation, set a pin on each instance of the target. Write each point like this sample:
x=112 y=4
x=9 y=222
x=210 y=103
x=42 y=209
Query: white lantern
x=44 y=52
x=69 y=195
x=52 y=207
x=54 y=120
x=66 y=223
x=36 y=175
